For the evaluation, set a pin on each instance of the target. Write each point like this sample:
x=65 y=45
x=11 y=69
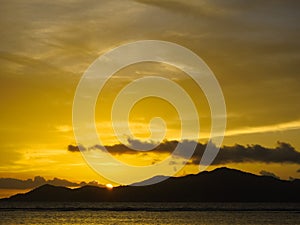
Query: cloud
x=11 y=183
x=190 y=8
x=64 y=128
x=269 y=174
x=74 y=148
x=283 y=153
x=137 y=144
x=292 y=125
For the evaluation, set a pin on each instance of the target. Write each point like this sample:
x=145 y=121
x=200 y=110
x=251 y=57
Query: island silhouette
x=220 y=185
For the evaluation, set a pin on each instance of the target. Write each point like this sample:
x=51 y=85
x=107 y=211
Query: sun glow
x=109 y=186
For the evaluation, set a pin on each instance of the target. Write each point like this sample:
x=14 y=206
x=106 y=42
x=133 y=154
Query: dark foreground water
x=150 y=213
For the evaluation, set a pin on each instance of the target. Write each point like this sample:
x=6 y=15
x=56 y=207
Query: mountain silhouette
x=219 y=185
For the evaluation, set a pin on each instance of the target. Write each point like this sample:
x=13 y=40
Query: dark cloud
x=11 y=183
x=118 y=149
x=74 y=148
x=283 y=153
x=137 y=144
x=268 y=174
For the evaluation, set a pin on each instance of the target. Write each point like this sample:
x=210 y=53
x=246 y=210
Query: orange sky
x=253 y=50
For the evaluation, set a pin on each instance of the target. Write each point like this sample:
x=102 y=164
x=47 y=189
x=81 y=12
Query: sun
x=109 y=186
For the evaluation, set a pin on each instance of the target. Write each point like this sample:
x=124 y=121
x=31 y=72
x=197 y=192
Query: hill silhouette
x=219 y=185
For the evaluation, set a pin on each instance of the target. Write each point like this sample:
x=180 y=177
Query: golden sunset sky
x=253 y=48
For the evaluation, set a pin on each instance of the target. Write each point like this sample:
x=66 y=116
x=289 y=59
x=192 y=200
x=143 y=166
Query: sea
x=149 y=213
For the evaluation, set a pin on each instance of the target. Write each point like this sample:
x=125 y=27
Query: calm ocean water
x=150 y=213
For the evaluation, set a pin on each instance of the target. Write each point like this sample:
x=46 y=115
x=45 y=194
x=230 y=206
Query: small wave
x=150 y=209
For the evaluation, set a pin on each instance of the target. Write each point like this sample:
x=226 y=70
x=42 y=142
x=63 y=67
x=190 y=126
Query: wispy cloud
x=64 y=128
x=293 y=125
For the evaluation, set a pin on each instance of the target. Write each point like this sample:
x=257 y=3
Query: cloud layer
x=283 y=153
x=11 y=183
